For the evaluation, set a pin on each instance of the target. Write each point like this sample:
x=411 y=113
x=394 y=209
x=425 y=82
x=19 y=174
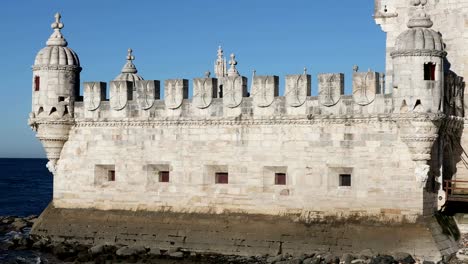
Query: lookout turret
x=55 y=87
x=418 y=65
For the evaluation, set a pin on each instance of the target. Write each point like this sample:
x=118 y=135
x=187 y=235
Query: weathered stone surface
x=127 y=251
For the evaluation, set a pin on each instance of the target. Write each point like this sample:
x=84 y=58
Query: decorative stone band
x=57 y=68
x=274 y=120
x=418 y=53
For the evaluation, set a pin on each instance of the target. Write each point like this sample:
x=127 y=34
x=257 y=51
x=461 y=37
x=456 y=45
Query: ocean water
x=25 y=186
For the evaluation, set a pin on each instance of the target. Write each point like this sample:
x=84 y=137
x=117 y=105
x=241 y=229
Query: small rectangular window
x=61 y=99
x=221 y=178
x=280 y=178
x=429 y=71
x=111 y=175
x=37 y=82
x=163 y=176
x=345 y=180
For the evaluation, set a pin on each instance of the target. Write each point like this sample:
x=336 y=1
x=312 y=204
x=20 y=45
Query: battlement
x=142 y=99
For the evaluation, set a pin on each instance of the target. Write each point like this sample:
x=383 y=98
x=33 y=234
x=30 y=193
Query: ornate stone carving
x=235 y=88
x=94 y=93
x=264 y=90
x=120 y=93
x=175 y=92
x=297 y=89
x=147 y=92
x=331 y=87
x=365 y=86
x=204 y=90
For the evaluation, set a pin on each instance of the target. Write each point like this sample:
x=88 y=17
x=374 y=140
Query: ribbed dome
x=57 y=52
x=57 y=55
x=129 y=71
x=419 y=35
x=419 y=39
x=130 y=77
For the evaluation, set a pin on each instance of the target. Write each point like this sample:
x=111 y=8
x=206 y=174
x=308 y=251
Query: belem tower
x=242 y=169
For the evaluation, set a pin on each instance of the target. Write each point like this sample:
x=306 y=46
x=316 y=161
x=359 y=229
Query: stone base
x=242 y=234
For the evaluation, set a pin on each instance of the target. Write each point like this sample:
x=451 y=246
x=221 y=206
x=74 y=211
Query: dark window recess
x=345 y=179
x=37 y=83
x=429 y=71
x=111 y=175
x=280 y=178
x=61 y=99
x=163 y=176
x=221 y=178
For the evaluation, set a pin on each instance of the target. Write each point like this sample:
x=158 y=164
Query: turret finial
x=305 y=70
x=129 y=66
x=419 y=18
x=57 y=39
x=130 y=56
x=233 y=71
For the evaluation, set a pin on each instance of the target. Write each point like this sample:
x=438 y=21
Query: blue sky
x=179 y=39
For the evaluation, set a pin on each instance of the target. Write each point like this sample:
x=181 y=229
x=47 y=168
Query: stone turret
x=418 y=66
x=418 y=81
x=55 y=87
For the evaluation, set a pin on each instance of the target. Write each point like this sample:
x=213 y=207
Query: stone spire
x=129 y=71
x=57 y=39
x=220 y=64
x=233 y=71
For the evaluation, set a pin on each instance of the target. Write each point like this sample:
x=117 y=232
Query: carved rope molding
x=57 y=68
x=300 y=120
x=418 y=53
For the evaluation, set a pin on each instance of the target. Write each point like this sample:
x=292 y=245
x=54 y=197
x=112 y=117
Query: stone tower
x=418 y=61
x=55 y=87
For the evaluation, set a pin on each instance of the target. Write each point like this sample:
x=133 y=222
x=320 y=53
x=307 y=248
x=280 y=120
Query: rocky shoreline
x=18 y=247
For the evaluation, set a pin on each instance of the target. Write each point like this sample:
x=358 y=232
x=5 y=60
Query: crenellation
x=365 y=87
x=330 y=88
x=175 y=91
x=204 y=90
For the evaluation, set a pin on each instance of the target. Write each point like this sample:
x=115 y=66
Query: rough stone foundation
x=242 y=234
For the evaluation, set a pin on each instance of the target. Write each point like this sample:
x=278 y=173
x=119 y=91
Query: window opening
x=37 y=82
x=429 y=71
x=221 y=178
x=345 y=180
x=111 y=175
x=280 y=178
x=163 y=176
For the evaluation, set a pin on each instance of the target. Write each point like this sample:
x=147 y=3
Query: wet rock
x=102 y=248
x=404 y=258
x=41 y=243
x=382 y=259
x=176 y=255
x=18 y=224
x=274 y=259
x=347 y=258
x=127 y=251
x=314 y=260
x=295 y=261
x=366 y=253
x=330 y=259
x=64 y=251
x=358 y=261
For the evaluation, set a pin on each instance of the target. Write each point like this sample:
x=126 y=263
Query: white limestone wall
x=312 y=153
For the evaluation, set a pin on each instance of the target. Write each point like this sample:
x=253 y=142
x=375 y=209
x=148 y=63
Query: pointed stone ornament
x=220 y=64
x=57 y=39
x=233 y=70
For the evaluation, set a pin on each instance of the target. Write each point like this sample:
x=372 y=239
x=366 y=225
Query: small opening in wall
x=221 y=178
x=163 y=176
x=41 y=109
x=37 y=83
x=429 y=71
x=65 y=111
x=61 y=98
x=111 y=175
x=280 y=178
x=345 y=180
x=53 y=110
x=220 y=91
